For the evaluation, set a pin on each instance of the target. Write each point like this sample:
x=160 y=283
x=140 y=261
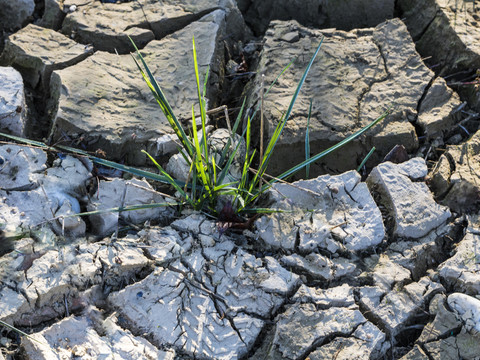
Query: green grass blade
x=198 y=157
x=170 y=180
x=332 y=148
x=365 y=159
x=307 y=141
x=201 y=102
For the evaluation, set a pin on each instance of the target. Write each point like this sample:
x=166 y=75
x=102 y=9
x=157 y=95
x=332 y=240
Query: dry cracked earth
x=377 y=264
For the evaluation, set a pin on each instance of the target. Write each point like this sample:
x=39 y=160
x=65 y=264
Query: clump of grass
x=207 y=176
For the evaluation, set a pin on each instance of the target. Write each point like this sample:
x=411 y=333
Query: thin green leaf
x=365 y=159
x=307 y=140
x=170 y=180
x=300 y=166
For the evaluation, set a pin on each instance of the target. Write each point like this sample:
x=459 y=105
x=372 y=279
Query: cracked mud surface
x=377 y=267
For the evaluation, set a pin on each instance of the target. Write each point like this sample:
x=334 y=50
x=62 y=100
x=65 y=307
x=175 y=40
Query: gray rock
x=379 y=67
x=113 y=108
x=13 y=14
x=117 y=193
x=410 y=203
x=344 y=215
x=403 y=261
x=346 y=15
x=438 y=111
x=394 y=309
x=37 y=59
x=209 y=304
x=12 y=103
x=78 y=337
x=455 y=177
x=107 y=26
x=53 y=15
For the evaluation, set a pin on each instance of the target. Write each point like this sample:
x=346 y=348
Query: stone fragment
x=323 y=14
x=410 y=203
x=379 y=67
x=443 y=349
x=14 y=14
x=209 y=304
x=37 y=59
x=396 y=308
x=121 y=193
x=344 y=215
x=12 y=102
x=302 y=326
x=78 y=337
x=439 y=110
x=114 y=110
x=107 y=26
x=455 y=179
x=468 y=308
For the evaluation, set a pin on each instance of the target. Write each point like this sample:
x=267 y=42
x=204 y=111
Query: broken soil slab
x=12 y=102
x=345 y=15
x=334 y=213
x=210 y=304
x=409 y=202
x=108 y=25
x=113 y=109
x=356 y=76
x=49 y=282
x=455 y=178
x=82 y=338
x=446 y=31
x=37 y=59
